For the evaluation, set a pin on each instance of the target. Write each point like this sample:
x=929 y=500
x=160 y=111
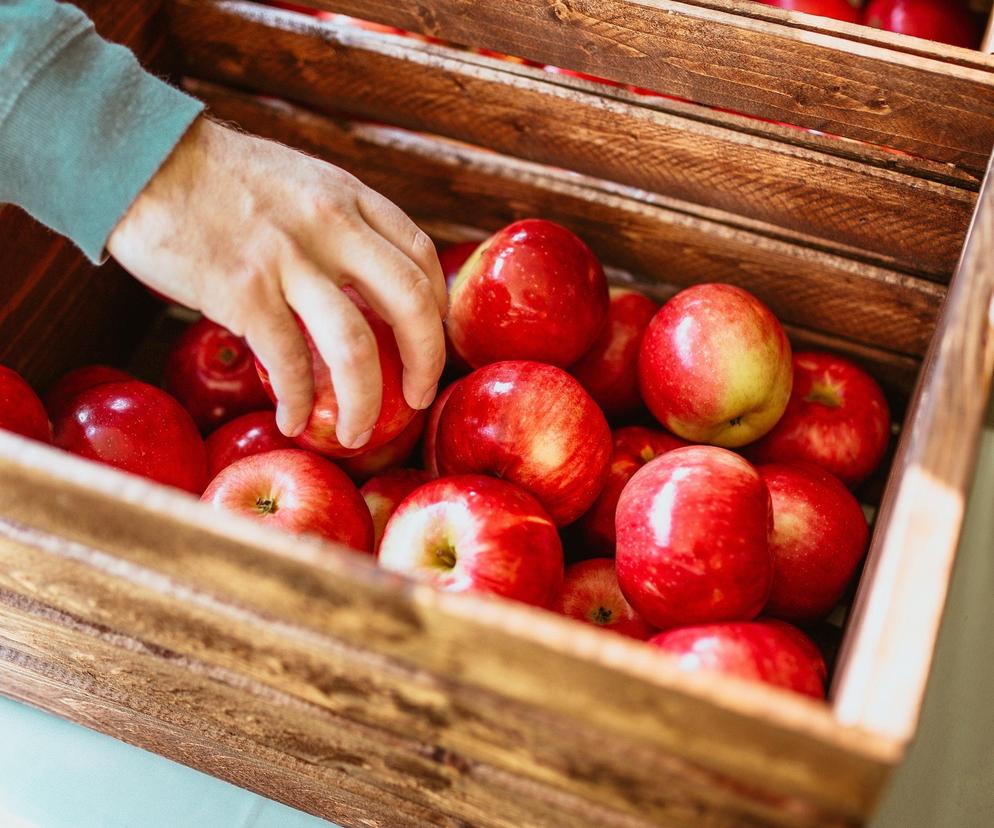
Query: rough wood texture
x=882 y=674
x=735 y=55
x=521 y=111
x=282 y=649
x=627 y=228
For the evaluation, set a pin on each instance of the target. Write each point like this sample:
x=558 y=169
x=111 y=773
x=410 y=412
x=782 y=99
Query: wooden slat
x=535 y=696
x=914 y=224
x=715 y=54
x=428 y=176
x=896 y=617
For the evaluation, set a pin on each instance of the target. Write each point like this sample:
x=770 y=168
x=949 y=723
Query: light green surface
x=54 y=774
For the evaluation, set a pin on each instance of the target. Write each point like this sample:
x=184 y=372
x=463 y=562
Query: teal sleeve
x=82 y=126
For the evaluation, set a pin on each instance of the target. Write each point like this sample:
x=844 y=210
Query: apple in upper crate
x=297 y=492
x=384 y=493
x=837 y=418
x=367 y=464
x=533 y=425
x=765 y=650
x=609 y=370
x=945 y=21
x=846 y=10
x=61 y=393
x=21 y=411
x=591 y=593
x=714 y=366
x=138 y=428
x=319 y=434
x=428 y=445
x=476 y=533
x=819 y=537
x=693 y=538
x=633 y=447
x=253 y=433
x=532 y=291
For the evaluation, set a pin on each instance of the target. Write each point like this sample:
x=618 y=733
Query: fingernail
x=356 y=442
x=429 y=397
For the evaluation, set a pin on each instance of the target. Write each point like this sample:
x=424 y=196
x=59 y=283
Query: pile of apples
x=674 y=535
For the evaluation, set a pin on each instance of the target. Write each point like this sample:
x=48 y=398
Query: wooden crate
x=306 y=674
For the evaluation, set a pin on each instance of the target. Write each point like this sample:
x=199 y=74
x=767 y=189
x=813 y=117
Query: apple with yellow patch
x=715 y=366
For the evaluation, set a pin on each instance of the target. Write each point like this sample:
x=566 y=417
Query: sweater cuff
x=85 y=137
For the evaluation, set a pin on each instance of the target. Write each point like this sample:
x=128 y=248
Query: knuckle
x=358 y=349
x=420 y=300
x=333 y=210
x=422 y=245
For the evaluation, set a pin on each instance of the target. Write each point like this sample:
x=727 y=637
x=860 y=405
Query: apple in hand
x=837 y=418
x=946 y=21
x=714 y=366
x=212 y=373
x=819 y=537
x=837 y=9
x=590 y=593
x=476 y=533
x=430 y=460
x=765 y=650
x=20 y=409
x=532 y=291
x=634 y=446
x=244 y=436
x=384 y=493
x=60 y=394
x=533 y=425
x=319 y=434
x=609 y=370
x=693 y=538
x=298 y=492
x=138 y=428
x=367 y=464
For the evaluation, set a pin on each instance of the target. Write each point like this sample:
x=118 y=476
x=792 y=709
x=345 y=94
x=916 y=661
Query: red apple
x=453 y=257
x=384 y=493
x=298 y=492
x=838 y=9
x=476 y=533
x=533 y=425
x=430 y=460
x=138 y=428
x=244 y=436
x=609 y=370
x=819 y=537
x=531 y=291
x=212 y=372
x=60 y=394
x=767 y=651
x=366 y=464
x=20 y=409
x=693 y=538
x=634 y=446
x=591 y=593
x=715 y=366
x=572 y=73
x=947 y=21
x=837 y=418
x=395 y=413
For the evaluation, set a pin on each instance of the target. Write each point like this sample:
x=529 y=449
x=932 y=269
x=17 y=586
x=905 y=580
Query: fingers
x=346 y=342
x=387 y=219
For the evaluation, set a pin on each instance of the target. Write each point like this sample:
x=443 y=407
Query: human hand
x=250 y=232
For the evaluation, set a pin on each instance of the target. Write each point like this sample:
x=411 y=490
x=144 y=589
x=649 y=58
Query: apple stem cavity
x=735 y=421
x=266 y=505
x=602 y=616
x=445 y=556
x=824 y=394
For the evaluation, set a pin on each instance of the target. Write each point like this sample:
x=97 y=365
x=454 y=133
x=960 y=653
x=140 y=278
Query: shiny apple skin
x=384 y=493
x=837 y=418
x=21 y=411
x=714 y=366
x=945 y=21
x=60 y=394
x=297 y=492
x=137 y=428
x=499 y=539
x=212 y=373
x=836 y=9
x=254 y=433
x=819 y=538
x=693 y=539
x=428 y=445
x=768 y=651
x=633 y=447
x=591 y=593
x=376 y=461
x=533 y=425
x=319 y=434
x=532 y=291
x=609 y=370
